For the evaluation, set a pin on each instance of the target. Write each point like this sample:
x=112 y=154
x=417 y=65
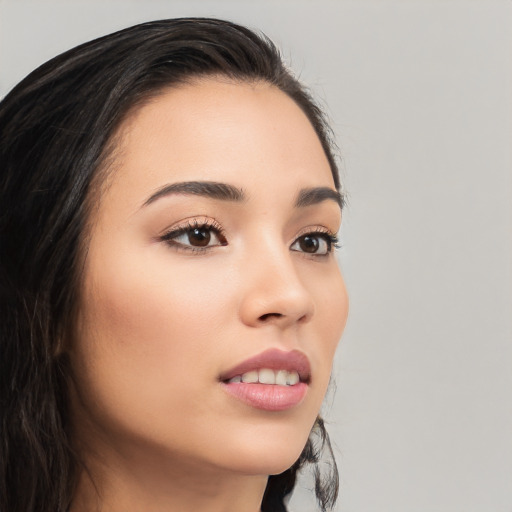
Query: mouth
x=273 y=380
x=272 y=367
x=268 y=376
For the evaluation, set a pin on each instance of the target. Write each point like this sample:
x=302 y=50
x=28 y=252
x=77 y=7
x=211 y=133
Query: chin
x=267 y=453
x=265 y=464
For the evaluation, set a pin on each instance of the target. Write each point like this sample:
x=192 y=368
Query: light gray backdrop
x=420 y=95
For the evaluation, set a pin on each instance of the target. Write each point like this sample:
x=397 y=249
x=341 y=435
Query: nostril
x=267 y=316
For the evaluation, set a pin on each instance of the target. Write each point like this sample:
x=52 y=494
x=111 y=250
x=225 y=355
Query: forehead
x=216 y=129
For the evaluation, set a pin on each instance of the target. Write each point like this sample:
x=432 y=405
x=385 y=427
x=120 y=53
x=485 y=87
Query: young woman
x=170 y=299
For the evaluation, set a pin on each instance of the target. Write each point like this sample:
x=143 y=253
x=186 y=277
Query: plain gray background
x=420 y=96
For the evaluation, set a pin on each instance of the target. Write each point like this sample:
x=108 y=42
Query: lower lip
x=269 y=397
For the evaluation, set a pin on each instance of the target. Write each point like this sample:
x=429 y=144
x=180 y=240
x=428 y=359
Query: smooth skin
x=161 y=316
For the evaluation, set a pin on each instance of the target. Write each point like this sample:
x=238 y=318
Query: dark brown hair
x=55 y=130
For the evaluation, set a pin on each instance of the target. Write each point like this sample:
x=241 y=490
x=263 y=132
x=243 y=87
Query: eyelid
x=191 y=223
x=320 y=231
x=182 y=227
x=315 y=229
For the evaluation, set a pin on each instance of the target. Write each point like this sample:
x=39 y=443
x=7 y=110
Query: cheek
x=336 y=309
x=331 y=311
x=145 y=332
x=138 y=304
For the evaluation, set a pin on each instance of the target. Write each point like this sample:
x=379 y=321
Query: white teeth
x=282 y=377
x=293 y=378
x=268 y=376
x=250 y=377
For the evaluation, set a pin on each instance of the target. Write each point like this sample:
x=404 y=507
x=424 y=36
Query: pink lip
x=270 y=397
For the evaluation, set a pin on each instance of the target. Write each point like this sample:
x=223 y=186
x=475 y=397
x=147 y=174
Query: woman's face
x=210 y=246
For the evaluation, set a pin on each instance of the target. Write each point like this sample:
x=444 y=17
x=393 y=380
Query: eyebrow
x=211 y=189
x=227 y=192
x=311 y=196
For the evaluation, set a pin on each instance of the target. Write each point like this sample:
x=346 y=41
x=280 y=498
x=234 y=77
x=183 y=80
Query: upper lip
x=273 y=359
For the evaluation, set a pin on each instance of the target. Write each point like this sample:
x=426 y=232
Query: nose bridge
x=274 y=291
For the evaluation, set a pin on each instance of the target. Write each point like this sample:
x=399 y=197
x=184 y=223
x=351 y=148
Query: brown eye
x=308 y=243
x=195 y=237
x=199 y=237
x=319 y=244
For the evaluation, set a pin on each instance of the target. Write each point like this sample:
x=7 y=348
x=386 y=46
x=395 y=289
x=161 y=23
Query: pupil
x=199 y=237
x=309 y=244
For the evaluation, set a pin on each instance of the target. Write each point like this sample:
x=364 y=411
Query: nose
x=274 y=293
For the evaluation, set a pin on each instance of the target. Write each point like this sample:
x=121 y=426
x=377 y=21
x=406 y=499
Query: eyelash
x=329 y=237
x=201 y=225
x=212 y=226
